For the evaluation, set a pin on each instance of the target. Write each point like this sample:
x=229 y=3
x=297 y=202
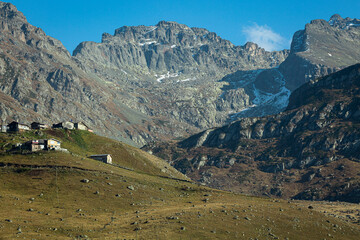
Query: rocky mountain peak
x=176 y=48
x=170 y=24
x=323 y=47
x=15 y=28
x=9 y=11
x=336 y=17
x=10 y=18
x=165 y=32
x=251 y=46
x=337 y=21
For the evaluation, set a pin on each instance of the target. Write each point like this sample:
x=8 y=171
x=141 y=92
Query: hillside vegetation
x=44 y=196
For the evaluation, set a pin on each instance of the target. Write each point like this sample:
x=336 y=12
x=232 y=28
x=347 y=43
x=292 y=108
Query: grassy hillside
x=82 y=144
x=43 y=197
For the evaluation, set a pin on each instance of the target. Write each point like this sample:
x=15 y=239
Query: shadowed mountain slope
x=308 y=151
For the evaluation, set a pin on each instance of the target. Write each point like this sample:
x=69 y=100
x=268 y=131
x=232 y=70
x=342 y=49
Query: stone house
x=17 y=127
x=53 y=144
x=106 y=158
x=64 y=125
x=36 y=125
x=35 y=145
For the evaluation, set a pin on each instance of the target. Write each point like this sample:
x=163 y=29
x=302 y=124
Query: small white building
x=106 y=158
x=3 y=128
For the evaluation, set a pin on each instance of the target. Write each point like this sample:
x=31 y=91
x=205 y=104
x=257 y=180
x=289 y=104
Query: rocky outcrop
x=319 y=129
x=322 y=48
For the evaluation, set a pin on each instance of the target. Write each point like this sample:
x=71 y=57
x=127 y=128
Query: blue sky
x=269 y=23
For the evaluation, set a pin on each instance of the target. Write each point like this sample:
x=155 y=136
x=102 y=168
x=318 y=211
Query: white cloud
x=265 y=37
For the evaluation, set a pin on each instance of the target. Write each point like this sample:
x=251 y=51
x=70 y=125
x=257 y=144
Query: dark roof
x=38 y=123
x=14 y=122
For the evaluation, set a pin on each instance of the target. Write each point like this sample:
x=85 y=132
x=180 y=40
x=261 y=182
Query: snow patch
x=186 y=80
x=330 y=54
x=147 y=43
x=348 y=25
x=173 y=46
x=165 y=76
x=124 y=71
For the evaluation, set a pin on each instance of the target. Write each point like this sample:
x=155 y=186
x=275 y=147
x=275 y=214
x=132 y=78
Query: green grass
x=83 y=144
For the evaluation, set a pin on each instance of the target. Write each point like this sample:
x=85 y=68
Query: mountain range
x=166 y=82
x=162 y=82
x=208 y=115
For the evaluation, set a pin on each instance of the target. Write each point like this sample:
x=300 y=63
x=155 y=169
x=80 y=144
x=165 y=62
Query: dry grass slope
x=42 y=197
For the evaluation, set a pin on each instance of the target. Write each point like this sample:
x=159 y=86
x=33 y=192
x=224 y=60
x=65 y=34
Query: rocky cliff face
x=321 y=48
x=174 y=48
x=318 y=131
x=176 y=70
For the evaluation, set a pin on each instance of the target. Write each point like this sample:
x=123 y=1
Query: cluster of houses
x=19 y=127
x=53 y=144
x=48 y=144
x=38 y=145
x=41 y=144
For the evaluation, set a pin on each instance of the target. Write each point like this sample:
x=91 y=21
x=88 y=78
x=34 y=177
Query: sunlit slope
x=82 y=144
x=44 y=196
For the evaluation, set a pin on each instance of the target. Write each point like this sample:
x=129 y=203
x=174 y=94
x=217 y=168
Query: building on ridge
x=17 y=127
x=64 y=125
x=81 y=126
x=106 y=158
x=37 y=125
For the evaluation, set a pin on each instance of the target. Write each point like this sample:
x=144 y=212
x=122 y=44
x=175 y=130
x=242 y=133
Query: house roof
x=38 y=123
x=64 y=122
x=14 y=122
x=55 y=140
x=100 y=155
